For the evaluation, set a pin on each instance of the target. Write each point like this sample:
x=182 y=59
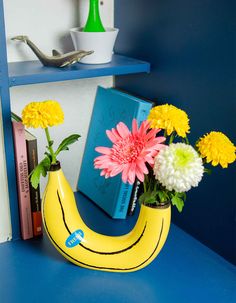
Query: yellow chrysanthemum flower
x=169 y=118
x=217 y=148
x=42 y=114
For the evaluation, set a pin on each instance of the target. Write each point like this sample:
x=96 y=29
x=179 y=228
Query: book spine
x=134 y=198
x=22 y=180
x=143 y=111
x=142 y=115
x=122 y=204
x=32 y=157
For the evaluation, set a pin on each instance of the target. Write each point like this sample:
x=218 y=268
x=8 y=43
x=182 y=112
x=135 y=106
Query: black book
x=32 y=156
x=136 y=193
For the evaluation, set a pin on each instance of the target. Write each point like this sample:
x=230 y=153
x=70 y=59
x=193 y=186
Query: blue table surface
x=185 y=271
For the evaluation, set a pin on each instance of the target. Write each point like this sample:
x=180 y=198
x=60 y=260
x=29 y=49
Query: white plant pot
x=102 y=43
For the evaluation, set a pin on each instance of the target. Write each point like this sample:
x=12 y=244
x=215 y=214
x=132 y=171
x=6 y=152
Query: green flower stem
x=186 y=139
x=145 y=183
x=54 y=160
x=171 y=138
x=165 y=133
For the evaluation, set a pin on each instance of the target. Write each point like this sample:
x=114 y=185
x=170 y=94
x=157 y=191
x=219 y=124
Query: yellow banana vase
x=84 y=247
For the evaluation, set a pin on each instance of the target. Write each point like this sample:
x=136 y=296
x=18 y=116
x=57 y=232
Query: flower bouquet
x=167 y=169
x=63 y=224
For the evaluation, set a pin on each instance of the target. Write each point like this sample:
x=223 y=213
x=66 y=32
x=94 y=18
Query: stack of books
x=26 y=157
x=111 y=106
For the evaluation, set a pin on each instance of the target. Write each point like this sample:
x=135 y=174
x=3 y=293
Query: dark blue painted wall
x=191 y=48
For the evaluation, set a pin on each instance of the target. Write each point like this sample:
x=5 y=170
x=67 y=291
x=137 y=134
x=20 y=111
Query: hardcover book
x=134 y=198
x=22 y=180
x=32 y=158
x=111 y=106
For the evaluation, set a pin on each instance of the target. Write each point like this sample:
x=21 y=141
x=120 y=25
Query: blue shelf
x=185 y=271
x=30 y=72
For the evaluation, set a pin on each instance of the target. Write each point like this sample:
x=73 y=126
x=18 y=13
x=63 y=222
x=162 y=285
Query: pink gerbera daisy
x=130 y=151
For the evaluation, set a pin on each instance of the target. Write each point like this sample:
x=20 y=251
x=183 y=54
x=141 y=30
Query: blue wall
x=191 y=48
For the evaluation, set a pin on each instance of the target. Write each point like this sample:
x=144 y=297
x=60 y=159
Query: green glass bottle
x=94 y=23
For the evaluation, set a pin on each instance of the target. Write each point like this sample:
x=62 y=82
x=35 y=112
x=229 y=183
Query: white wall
x=5 y=221
x=47 y=22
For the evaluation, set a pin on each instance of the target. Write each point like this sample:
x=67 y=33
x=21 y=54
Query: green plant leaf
x=178 y=202
x=51 y=143
x=67 y=141
x=180 y=195
x=148 y=197
x=48 y=155
x=41 y=169
x=207 y=170
x=163 y=196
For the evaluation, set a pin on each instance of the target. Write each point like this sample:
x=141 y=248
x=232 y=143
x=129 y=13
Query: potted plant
x=95 y=37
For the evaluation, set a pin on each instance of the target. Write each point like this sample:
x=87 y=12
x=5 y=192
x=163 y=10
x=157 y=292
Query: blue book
x=111 y=107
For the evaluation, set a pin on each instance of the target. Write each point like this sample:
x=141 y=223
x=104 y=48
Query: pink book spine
x=22 y=180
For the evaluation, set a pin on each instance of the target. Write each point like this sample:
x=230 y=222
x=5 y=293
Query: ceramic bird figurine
x=57 y=59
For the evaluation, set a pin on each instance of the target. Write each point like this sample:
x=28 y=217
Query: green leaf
x=178 y=202
x=184 y=196
x=51 y=143
x=181 y=195
x=148 y=197
x=48 y=155
x=163 y=197
x=41 y=169
x=67 y=141
x=208 y=171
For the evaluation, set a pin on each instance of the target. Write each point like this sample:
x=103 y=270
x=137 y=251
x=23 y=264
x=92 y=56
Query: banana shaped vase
x=84 y=247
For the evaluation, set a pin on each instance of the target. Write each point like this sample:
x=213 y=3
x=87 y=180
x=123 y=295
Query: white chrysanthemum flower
x=178 y=167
